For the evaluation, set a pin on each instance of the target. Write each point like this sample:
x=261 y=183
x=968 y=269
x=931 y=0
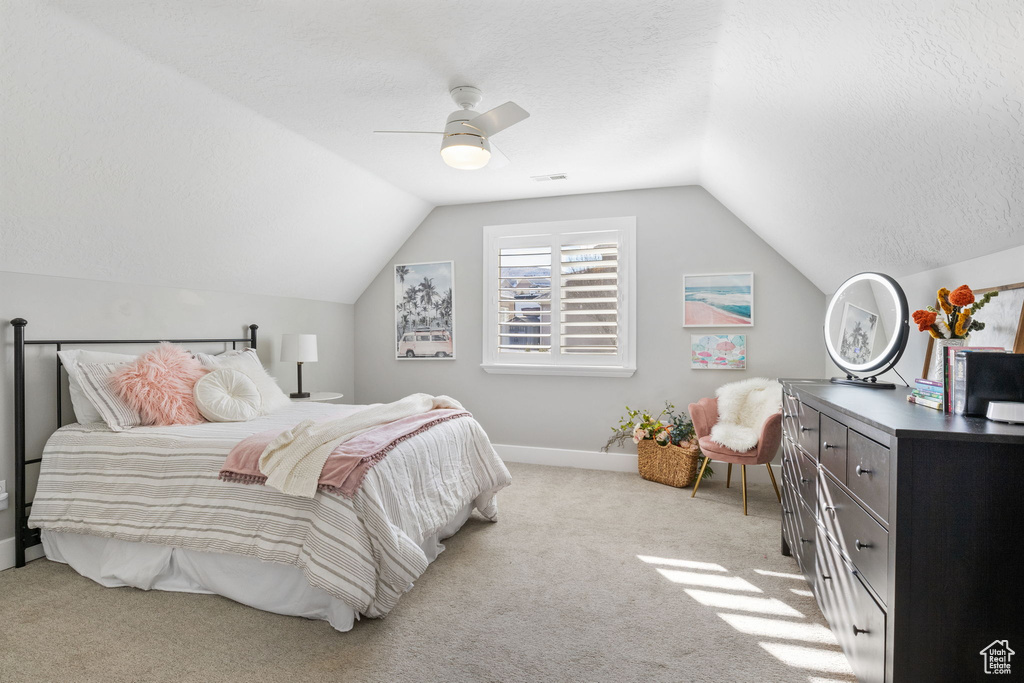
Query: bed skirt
x=268 y=586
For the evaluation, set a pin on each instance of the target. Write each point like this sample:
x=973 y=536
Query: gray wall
x=679 y=230
x=58 y=307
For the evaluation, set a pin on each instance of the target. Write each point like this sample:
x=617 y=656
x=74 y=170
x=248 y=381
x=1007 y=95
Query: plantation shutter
x=589 y=298
x=524 y=300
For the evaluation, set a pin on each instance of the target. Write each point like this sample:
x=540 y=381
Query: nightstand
x=320 y=396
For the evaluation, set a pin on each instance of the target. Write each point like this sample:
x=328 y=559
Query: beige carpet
x=553 y=592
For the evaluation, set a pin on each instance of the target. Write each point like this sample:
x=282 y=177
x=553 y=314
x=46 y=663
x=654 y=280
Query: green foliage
x=667 y=427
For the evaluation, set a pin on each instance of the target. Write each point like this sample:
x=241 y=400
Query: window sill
x=558 y=370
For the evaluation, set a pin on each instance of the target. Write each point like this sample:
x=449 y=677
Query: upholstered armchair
x=704 y=414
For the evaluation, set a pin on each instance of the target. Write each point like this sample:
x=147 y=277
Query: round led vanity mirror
x=866 y=328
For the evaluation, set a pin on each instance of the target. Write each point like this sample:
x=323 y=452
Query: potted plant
x=667 y=449
x=952 y=323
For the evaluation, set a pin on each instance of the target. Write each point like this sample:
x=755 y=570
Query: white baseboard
x=7 y=553
x=563 y=457
x=613 y=462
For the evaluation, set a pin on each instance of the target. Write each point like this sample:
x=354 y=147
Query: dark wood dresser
x=909 y=526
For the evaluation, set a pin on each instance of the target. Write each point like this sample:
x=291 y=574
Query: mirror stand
x=869 y=382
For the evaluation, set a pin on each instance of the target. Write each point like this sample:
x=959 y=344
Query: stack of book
x=928 y=392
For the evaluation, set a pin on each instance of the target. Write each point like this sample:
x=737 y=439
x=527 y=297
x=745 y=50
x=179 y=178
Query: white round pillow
x=227 y=396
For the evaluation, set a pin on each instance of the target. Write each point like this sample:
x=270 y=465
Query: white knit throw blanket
x=293 y=461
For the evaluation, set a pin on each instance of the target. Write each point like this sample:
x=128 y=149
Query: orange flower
x=961 y=296
x=943 y=296
x=963 y=325
x=924 y=319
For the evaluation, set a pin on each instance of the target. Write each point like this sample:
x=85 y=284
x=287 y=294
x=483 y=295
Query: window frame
x=556 y=234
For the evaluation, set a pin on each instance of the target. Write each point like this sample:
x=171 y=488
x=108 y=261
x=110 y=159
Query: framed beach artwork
x=857 y=331
x=721 y=300
x=424 y=310
x=718 y=351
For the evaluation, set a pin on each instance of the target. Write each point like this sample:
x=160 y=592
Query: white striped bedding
x=160 y=485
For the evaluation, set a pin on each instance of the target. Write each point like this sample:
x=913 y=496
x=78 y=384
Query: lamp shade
x=298 y=348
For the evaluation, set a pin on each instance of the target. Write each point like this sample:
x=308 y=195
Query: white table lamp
x=299 y=349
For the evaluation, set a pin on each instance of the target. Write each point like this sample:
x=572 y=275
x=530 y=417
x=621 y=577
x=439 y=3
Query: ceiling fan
x=466 y=144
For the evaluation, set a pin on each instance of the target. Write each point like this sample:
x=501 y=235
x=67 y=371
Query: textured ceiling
x=861 y=135
x=617 y=90
x=849 y=134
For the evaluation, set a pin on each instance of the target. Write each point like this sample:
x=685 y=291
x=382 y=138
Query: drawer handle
x=788 y=416
x=804 y=429
x=861 y=471
x=828 y=445
x=826 y=577
x=831 y=510
x=786 y=512
x=861 y=546
x=805 y=480
x=858 y=631
x=806 y=540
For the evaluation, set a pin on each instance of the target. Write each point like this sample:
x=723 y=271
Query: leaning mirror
x=866 y=328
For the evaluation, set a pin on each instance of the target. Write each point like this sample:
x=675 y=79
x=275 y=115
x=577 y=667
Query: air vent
x=553 y=176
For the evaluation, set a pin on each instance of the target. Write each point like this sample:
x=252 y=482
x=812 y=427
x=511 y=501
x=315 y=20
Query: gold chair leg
x=728 y=476
x=743 y=475
x=700 y=475
x=774 y=485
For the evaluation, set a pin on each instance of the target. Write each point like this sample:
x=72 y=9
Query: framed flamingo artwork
x=718 y=351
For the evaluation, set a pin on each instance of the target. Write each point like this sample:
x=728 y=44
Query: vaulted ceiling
x=850 y=135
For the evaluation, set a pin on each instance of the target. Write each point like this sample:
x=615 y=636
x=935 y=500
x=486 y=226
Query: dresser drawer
x=802 y=472
x=807 y=429
x=806 y=539
x=790 y=516
x=790 y=411
x=833 y=447
x=867 y=472
x=856 y=619
x=864 y=542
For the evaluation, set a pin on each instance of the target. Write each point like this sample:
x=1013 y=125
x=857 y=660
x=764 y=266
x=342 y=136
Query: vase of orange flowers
x=952 y=323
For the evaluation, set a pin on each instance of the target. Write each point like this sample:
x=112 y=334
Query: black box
x=980 y=377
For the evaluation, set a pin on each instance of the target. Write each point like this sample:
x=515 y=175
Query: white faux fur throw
x=293 y=461
x=743 y=408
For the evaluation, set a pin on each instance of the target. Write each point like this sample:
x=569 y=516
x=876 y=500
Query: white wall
x=57 y=307
x=679 y=230
x=1001 y=268
x=116 y=167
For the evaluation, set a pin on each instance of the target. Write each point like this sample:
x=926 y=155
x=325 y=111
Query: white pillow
x=248 y=363
x=85 y=411
x=227 y=395
x=118 y=415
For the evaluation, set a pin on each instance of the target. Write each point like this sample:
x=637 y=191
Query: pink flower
x=638 y=434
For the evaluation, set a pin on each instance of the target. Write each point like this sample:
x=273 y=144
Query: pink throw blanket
x=348 y=464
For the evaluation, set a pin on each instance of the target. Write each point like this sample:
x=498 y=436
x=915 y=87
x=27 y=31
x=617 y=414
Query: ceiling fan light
x=465 y=152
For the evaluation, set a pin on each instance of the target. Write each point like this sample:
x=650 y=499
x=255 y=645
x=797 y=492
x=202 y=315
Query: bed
x=146 y=508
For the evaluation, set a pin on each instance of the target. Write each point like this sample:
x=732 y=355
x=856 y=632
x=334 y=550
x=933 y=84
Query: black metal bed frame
x=24 y=537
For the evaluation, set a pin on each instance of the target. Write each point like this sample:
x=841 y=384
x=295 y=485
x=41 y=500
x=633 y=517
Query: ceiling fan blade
x=498 y=119
x=412 y=132
x=498 y=159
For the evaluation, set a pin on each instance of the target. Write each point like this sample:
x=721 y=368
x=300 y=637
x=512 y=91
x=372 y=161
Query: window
x=559 y=298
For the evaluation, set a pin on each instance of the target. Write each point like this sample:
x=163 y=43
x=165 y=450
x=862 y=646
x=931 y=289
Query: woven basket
x=671 y=465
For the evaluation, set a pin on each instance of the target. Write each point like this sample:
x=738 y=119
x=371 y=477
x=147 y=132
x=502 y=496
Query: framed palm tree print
x=424 y=310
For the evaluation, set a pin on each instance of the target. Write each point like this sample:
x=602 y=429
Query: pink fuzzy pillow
x=159 y=385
